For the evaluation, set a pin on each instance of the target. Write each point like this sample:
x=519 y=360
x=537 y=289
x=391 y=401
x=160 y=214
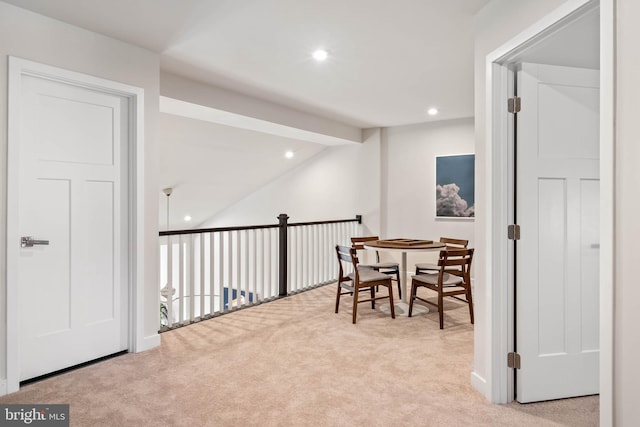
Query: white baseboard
x=148 y=342
x=480 y=385
x=3 y=387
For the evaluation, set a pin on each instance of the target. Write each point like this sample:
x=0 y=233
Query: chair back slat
x=358 y=242
x=454 y=243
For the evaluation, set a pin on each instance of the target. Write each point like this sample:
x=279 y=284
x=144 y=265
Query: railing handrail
x=357 y=219
x=216 y=229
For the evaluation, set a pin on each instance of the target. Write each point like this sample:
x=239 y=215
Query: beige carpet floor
x=293 y=362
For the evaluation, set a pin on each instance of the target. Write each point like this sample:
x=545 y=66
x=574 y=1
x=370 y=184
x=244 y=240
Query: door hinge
x=513 y=360
x=513 y=232
x=513 y=104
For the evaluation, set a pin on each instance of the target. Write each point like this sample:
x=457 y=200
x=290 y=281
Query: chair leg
x=373 y=295
x=391 y=305
x=470 y=302
x=377 y=287
x=440 y=309
x=399 y=284
x=412 y=296
x=338 y=297
x=355 y=305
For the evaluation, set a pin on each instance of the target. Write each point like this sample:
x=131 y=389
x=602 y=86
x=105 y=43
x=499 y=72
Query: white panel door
x=558 y=212
x=73 y=194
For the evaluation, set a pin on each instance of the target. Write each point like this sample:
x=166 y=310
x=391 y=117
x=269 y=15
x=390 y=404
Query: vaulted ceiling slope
x=388 y=61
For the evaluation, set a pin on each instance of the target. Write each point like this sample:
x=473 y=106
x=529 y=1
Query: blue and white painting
x=455 y=184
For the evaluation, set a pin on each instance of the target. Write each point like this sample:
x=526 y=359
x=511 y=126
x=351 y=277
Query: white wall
x=496 y=24
x=389 y=179
x=409 y=174
x=37 y=38
x=338 y=183
x=626 y=353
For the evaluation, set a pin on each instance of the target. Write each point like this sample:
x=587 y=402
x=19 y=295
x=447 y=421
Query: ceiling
x=388 y=61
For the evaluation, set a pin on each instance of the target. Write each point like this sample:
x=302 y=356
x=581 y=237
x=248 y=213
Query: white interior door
x=72 y=192
x=558 y=253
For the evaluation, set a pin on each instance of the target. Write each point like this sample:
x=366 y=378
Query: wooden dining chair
x=426 y=267
x=390 y=268
x=359 y=280
x=453 y=279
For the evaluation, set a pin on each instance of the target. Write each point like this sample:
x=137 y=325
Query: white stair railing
x=212 y=271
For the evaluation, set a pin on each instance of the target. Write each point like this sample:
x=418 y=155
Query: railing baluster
x=292 y=253
x=297 y=260
x=230 y=277
x=323 y=255
x=309 y=246
x=325 y=246
x=299 y=255
x=316 y=265
x=254 y=272
x=303 y=257
x=319 y=253
x=275 y=264
x=316 y=253
x=192 y=291
x=202 y=293
x=314 y=257
x=260 y=280
x=221 y=272
x=263 y=279
x=238 y=277
x=331 y=247
x=269 y=273
x=246 y=267
x=181 y=282
x=212 y=270
x=169 y=284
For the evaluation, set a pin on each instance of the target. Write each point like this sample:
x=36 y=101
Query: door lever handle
x=28 y=242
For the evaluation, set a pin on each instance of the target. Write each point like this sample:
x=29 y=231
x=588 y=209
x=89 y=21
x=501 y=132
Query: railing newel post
x=282 y=258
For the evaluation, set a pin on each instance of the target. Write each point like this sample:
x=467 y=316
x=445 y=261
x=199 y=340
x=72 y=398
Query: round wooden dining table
x=404 y=246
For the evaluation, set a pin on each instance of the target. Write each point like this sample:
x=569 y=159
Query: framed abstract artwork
x=455 y=186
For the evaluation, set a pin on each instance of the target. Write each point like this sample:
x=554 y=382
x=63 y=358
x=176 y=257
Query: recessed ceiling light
x=432 y=111
x=320 y=55
x=288 y=154
x=187 y=218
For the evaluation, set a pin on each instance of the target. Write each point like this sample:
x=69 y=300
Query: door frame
x=499 y=174
x=19 y=67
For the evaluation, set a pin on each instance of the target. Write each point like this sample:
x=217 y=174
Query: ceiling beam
x=188 y=98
